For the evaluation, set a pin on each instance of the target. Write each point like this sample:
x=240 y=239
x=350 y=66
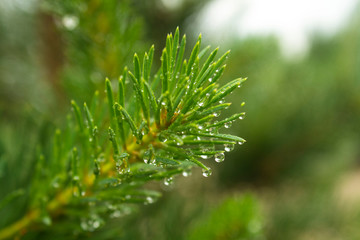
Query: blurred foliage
x=98 y=39
x=295 y=108
x=235 y=218
x=162 y=16
x=23 y=87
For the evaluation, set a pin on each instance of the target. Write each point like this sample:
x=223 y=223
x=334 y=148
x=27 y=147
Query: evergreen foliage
x=147 y=127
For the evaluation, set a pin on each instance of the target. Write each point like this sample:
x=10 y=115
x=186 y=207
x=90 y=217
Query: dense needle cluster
x=158 y=126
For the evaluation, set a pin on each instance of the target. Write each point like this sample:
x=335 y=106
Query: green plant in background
x=235 y=218
x=100 y=37
x=101 y=161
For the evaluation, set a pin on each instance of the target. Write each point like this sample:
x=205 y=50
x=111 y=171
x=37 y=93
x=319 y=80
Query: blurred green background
x=298 y=175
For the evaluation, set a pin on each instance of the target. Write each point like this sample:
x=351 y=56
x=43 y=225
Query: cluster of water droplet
x=149 y=200
x=121 y=163
x=91 y=223
x=168 y=181
x=119 y=210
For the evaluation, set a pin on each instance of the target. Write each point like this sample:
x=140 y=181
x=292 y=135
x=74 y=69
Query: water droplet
x=46 y=220
x=219 y=157
x=115 y=214
x=228 y=147
x=163 y=103
x=206 y=172
x=227 y=125
x=207 y=95
x=200 y=104
x=147 y=156
x=239 y=86
x=200 y=127
x=198 y=138
x=70 y=22
x=96 y=224
x=186 y=172
x=168 y=181
x=90 y=224
x=216 y=114
x=210 y=79
x=56 y=183
x=125 y=170
x=241 y=142
x=204 y=156
x=221 y=101
x=150 y=200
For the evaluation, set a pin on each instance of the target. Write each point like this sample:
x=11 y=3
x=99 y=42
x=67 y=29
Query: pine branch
x=157 y=134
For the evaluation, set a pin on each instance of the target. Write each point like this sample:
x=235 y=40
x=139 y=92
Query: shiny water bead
x=75 y=178
x=150 y=200
x=206 y=172
x=228 y=147
x=46 y=220
x=91 y=224
x=219 y=157
x=147 y=156
x=152 y=161
x=186 y=172
x=227 y=125
x=70 y=22
x=168 y=181
x=125 y=170
x=241 y=117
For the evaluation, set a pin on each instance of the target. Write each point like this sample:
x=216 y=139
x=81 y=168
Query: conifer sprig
x=166 y=126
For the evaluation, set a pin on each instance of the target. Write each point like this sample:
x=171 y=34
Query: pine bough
x=164 y=127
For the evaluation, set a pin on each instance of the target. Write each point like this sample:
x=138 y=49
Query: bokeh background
x=298 y=175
